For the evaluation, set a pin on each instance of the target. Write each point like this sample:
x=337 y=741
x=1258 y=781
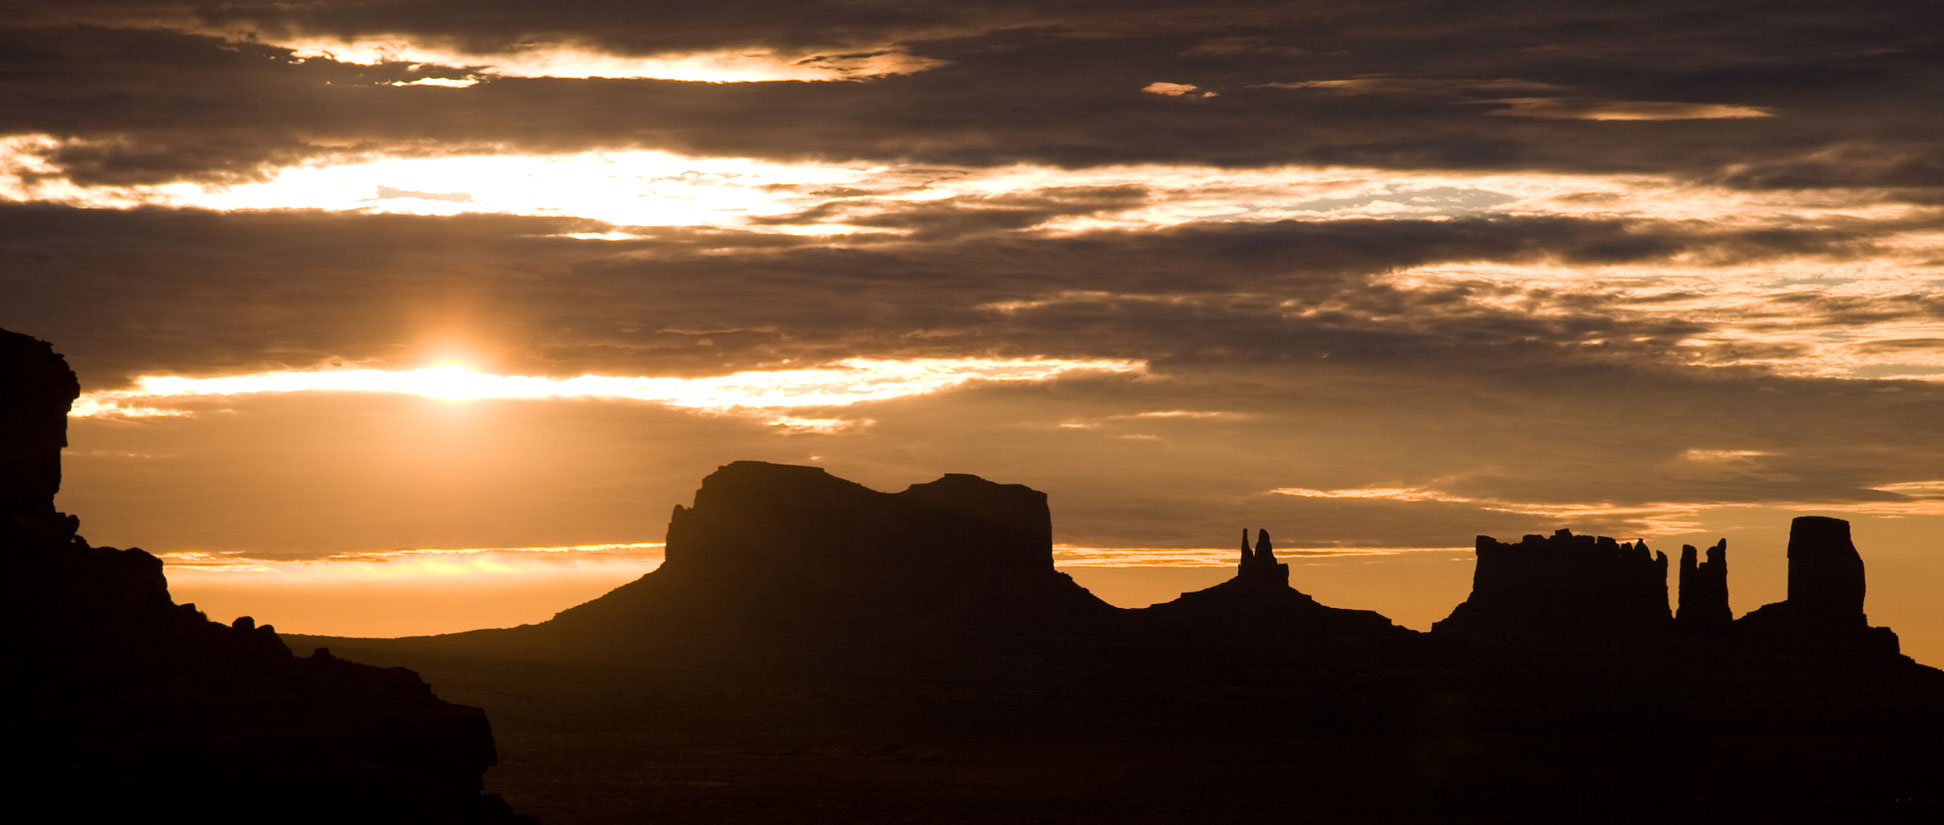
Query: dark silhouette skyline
x=814 y=649
x=412 y=318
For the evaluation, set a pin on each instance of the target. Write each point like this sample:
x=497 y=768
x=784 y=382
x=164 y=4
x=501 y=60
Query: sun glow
x=1072 y=556
x=845 y=383
x=405 y=592
x=1655 y=518
x=420 y=563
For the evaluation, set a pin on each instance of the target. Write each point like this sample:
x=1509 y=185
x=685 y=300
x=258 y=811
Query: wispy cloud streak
x=845 y=383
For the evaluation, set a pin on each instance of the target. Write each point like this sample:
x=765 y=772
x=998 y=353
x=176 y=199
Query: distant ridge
x=778 y=558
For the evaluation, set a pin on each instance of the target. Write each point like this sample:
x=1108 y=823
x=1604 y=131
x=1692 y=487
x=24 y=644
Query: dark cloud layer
x=1846 y=86
x=193 y=290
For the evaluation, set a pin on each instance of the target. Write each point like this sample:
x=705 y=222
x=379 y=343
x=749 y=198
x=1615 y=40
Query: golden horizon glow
x=842 y=384
x=420 y=563
x=391 y=593
x=1084 y=556
x=421 y=591
x=443 y=563
x=1656 y=518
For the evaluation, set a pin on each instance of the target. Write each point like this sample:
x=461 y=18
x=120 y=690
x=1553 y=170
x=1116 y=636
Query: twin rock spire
x=1260 y=564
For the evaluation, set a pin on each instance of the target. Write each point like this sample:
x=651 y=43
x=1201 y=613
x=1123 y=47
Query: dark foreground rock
x=122 y=706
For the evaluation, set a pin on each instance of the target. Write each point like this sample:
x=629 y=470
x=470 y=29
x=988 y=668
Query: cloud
x=1069 y=81
x=1558 y=108
x=759 y=392
x=202 y=293
x=1068 y=556
x=387 y=193
x=576 y=61
x=1166 y=89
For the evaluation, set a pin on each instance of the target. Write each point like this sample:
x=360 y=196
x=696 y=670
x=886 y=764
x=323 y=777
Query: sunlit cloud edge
x=566 y=59
x=765 y=393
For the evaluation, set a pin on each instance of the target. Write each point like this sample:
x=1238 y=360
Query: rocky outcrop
x=782 y=551
x=1825 y=571
x=36 y=388
x=1563 y=585
x=1824 y=610
x=1260 y=564
x=124 y=706
x=1258 y=608
x=1704 y=590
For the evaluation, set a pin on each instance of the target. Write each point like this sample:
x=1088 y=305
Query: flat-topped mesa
x=775 y=545
x=1260 y=565
x=1563 y=585
x=1704 y=590
x=755 y=520
x=36 y=389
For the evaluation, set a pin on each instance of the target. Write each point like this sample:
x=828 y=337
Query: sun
x=453 y=381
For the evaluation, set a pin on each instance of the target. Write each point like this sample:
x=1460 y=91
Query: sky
x=407 y=316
